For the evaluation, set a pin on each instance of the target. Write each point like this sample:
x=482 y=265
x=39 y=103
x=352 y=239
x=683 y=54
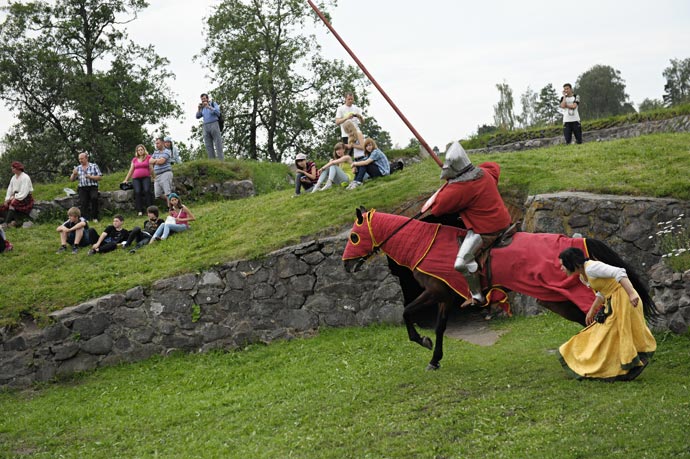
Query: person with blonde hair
x=337 y=170
x=140 y=171
x=374 y=165
x=355 y=140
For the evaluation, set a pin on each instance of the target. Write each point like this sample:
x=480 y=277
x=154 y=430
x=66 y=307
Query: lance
x=373 y=80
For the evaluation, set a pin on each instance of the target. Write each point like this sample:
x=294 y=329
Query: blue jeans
x=299 y=183
x=335 y=174
x=165 y=229
x=372 y=169
x=142 y=193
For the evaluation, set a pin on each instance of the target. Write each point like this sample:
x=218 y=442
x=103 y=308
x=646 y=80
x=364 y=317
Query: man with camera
x=210 y=112
x=571 y=117
x=88 y=174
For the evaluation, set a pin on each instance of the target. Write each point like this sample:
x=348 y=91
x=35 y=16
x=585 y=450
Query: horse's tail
x=601 y=252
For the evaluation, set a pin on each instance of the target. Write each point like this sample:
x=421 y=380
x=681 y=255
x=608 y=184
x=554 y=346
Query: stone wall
x=628 y=225
x=677 y=124
x=292 y=292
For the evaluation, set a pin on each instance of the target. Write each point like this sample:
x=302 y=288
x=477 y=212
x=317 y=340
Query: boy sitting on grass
x=75 y=231
x=112 y=236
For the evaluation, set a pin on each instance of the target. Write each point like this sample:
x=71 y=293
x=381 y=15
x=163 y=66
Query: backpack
x=221 y=120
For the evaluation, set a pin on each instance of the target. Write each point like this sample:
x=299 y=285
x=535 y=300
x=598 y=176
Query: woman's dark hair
x=572 y=258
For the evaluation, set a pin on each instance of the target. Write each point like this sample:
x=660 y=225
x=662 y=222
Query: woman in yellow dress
x=616 y=345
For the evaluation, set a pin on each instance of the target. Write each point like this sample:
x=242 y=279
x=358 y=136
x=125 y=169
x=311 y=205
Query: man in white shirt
x=571 y=117
x=348 y=111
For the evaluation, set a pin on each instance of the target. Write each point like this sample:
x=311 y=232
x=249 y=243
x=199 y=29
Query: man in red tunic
x=473 y=193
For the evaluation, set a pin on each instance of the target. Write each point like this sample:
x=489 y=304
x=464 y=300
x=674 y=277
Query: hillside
x=36 y=280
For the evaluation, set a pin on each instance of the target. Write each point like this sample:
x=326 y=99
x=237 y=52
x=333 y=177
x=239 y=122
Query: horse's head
x=359 y=245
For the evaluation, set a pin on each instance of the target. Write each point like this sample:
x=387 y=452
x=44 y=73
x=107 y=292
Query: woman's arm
x=190 y=216
x=630 y=290
x=598 y=302
x=129 y=173
x=311 y=173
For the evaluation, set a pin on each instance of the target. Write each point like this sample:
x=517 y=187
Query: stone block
x=99 y=345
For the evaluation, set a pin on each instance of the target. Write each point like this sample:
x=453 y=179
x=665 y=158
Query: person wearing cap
x=19 y=197
x=306 y=175
x=177 y=221
x=175 y=153
x=89 y=175
x=213 y=139
x=140 y=171
x=162 y=171
x=471 y=192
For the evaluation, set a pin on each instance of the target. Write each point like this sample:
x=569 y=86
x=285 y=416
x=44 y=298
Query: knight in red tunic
x=473 y=193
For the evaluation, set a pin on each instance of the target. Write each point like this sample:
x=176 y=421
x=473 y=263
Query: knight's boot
x=468 y=266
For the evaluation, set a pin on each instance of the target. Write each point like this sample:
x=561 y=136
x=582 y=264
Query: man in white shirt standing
x=348 y=111
x=571 y=117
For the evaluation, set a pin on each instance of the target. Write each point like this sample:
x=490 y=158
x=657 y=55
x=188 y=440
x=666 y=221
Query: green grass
x=36 y=281
x=360 y=393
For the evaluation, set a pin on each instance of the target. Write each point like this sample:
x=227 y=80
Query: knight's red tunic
x=478 y=201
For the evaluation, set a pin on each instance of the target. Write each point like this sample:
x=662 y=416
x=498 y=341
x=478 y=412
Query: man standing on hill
x=210 y=112
x=162 y=170
x=571 y=117
x=88 y=175
x=348 y=111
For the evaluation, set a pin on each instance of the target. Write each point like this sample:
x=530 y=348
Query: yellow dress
x=619 y=348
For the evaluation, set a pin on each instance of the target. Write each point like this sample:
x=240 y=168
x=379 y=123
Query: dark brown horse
x=422 y=254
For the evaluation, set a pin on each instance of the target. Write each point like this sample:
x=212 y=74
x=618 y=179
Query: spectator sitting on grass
x=375 y=164
x=75 y=231
x=337 y=170
x=177 y=221
x=142 y=237
x=112 y=236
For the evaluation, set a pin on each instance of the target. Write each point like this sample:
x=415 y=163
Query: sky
x=439 y=61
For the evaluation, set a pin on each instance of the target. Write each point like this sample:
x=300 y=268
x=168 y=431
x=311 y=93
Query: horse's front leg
x=410 y=310
x=441 y=323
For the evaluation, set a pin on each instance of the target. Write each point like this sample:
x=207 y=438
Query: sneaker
x=61 y=249
x=132 y=251
x=296 y=195
x=75 y=250
x=353 y=185
x=91 y=252
x=12 y=224
x=314 y=189
x=327 y=186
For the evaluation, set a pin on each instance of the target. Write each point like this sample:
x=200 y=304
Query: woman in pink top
x=141 y=172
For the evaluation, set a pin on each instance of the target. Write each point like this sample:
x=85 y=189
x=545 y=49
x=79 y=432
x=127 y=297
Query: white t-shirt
x=571 y=114
x=344 y=111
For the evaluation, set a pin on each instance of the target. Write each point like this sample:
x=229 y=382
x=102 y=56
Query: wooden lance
x=371 y=78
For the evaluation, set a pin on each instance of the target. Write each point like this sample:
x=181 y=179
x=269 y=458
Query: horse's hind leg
x=566 y=309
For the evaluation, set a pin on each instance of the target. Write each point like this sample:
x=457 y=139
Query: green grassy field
x=36 y=281
x=360 y=393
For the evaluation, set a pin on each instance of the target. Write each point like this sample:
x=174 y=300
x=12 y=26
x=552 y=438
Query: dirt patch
x=473 y=327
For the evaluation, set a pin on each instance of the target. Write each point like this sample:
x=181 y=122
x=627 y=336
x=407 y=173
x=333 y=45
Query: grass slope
x=36 y=281
x=360 y=393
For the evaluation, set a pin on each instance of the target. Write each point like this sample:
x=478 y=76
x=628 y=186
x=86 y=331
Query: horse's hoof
x=426 y=342
x=433 y=366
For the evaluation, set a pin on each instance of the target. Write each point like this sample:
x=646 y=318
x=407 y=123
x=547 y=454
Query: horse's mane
x=601 y=252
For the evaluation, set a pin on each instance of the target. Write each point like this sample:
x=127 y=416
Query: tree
x=74 y=80
x=648 y=105
x=276 y=91
x=486 y=129
x=504 y=117
x=677 y=87
x=602 y=93
x=528 y=117
x=546 y=108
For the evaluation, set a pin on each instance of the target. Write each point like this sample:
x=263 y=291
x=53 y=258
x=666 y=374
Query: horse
x=528 y=265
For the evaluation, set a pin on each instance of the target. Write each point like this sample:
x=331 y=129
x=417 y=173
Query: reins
x=376 y=249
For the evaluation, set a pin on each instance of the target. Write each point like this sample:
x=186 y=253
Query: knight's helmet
x=456 y=162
